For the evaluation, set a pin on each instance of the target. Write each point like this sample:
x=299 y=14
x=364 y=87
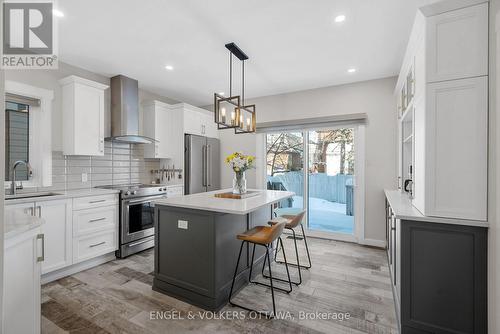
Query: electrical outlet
x=183 y=224
x=85 y=177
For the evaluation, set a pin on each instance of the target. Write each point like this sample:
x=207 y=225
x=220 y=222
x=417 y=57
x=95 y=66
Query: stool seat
x=263 y=235
x=291 y=221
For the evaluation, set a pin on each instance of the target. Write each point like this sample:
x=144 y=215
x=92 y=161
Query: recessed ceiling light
x=169 y=67
x=57 y=13
x=339 y=18
x=351 y=70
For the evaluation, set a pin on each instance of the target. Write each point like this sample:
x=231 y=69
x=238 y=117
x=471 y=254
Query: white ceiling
x=292 y=44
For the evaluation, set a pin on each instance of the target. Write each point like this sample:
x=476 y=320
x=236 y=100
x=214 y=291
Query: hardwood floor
x=116 y=297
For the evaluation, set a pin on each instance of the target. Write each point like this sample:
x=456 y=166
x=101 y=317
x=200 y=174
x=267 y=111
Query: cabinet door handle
x=96 y=220
x=98 y=244
x=41 y=237
x=39 y=211
x=98 y=201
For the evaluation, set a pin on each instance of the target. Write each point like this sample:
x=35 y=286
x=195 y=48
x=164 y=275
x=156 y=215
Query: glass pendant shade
x=225 y=109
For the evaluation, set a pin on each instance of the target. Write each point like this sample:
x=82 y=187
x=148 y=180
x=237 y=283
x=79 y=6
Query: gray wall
x=373 y=97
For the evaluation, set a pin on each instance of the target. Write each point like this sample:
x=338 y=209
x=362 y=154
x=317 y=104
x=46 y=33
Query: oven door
x=137 y=218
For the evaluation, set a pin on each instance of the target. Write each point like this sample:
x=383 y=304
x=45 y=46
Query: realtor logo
x=28 y=36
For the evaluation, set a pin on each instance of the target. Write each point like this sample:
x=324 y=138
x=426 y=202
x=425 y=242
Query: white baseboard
x=372 y=242
x=73 y=269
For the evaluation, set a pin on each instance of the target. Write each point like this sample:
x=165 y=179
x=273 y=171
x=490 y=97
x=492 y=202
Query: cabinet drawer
x=88 y=247
x=94 y=201
x=94 y=220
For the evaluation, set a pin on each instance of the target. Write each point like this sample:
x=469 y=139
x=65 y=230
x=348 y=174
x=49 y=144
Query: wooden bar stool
x=263 y=236
x=291 y=222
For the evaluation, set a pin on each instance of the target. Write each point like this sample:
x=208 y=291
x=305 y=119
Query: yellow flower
x=236 y=169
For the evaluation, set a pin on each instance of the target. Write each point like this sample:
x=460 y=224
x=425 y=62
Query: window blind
x=22 y=99
x=312 y=123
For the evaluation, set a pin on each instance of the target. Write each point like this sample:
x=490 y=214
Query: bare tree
x=282 y=148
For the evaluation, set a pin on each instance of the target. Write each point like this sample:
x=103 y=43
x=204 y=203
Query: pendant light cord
x=230 y=74
x=243 y=82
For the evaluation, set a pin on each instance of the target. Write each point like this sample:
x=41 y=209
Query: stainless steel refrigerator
x=202 y=164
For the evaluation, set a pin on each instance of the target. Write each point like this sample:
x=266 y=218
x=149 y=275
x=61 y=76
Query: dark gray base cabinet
x=443 y=278
x=439 y=276
x=197 y=264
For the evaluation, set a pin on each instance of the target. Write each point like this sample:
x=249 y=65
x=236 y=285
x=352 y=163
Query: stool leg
x=267 y=259
x=296 y=255
x=286 y=266
x=307 y=248
x=289 y=280
x=235 y=272
x=251 y=265
x=271 y=280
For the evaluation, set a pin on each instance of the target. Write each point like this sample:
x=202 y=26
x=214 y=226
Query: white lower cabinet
x=75 y=230
x=93 y=245
x=21 y=284
x=58 y=233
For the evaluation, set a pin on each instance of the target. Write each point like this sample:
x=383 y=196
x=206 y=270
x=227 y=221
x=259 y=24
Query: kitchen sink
x=31 y=195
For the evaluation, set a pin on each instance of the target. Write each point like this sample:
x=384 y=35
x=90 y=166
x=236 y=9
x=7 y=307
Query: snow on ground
x=323 y=215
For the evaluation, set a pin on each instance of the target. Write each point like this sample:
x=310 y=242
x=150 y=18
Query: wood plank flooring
x=116 y=297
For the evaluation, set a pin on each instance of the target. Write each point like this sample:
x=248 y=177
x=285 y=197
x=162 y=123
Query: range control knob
x=164 y=189
x=127 y=193
x=134 y=192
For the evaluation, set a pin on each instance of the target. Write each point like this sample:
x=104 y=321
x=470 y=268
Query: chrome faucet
x=13 y=187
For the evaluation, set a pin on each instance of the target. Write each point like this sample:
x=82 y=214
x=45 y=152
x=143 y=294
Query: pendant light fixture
x=231 y=112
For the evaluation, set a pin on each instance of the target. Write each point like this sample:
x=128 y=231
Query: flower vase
x=239 y=183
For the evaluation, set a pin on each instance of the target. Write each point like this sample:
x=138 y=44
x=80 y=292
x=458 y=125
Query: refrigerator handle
x=209 y=165
x=204 y=165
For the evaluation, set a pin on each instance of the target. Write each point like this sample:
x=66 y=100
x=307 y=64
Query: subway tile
x=102 y=170
x=77 y=170
x=121 y=164
x=78 y=163
x=101 y=163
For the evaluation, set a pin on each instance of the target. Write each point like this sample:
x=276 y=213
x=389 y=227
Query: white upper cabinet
x=158 y=124
x=169 y=123
x=457 y=150
x=448 y=54
x=457 y=44
x=83 y=116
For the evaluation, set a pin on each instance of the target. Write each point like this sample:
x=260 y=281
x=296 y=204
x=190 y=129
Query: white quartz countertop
x=62 y=195
x=403 y=209
x=208 y=202
x=18 y=222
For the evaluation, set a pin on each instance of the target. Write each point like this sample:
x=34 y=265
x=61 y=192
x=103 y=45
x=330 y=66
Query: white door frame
x=358 y=235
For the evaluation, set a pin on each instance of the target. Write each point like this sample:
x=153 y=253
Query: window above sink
x=28 y=130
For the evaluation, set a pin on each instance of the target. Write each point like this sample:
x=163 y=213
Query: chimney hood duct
x=125 y=111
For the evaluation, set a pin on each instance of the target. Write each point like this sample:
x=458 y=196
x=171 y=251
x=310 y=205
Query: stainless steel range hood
x=125 y=111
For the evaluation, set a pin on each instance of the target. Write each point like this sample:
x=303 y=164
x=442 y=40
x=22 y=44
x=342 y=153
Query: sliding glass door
x=330 y=181
x=285 y=169
x=319 y=167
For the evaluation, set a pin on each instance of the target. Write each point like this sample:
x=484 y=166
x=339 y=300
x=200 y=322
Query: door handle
x=41 y=237
x=98 y=201
x=204 y=165
x=96 y=220
x=209 y=167
x=98 y=244
x=39 y=207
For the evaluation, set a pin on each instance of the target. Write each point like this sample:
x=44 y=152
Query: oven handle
x=143 y=199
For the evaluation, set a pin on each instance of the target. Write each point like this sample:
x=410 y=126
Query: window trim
x=40 y=136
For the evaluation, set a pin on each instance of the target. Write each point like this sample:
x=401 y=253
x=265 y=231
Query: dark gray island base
x=196 y=264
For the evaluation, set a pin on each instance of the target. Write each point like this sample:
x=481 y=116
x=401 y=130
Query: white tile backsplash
x=121 y=164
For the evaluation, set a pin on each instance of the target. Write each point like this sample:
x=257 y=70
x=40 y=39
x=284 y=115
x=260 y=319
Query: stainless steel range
x=137 y=216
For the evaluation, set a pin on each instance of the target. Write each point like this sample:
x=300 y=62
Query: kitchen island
x=196 y=247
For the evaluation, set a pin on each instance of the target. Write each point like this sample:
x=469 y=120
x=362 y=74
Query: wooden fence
x=329 y=187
